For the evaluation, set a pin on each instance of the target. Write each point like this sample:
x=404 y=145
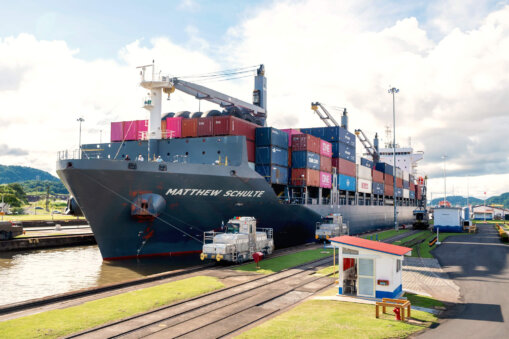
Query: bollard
x=397 y=312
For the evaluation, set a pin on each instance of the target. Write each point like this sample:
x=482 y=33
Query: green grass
x=409 y=238
x=277 y=264
x=384 y=234
x=423 y=301
x=335 y=319
x=328 y=270
x=45 y=217
x=424 y=249
x=61 y=322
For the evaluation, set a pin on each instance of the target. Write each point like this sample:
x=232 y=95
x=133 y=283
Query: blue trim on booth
x=394 y=294
x=340 y=290
x=448 y=228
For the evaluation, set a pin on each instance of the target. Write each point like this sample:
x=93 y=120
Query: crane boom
x=326 y=117
x=372 y=151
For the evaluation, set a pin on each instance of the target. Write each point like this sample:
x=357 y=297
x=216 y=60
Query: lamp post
x=80 y=120
x=445 y=181
x=393 y=91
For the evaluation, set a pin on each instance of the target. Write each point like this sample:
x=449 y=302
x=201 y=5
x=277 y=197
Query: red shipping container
x=325 y=180
x=229 y=125
x=250 y=150
x=142 y=129
x=131 y=130
x=173 y=128
x=117 y=131
x=399 y=182
x=389 y=190
x=189 y=128
x=305 y=177
x=377 y=176
x=205 y=127
x=388 y=179
x=412 y=187
x=325 y=148
x=290 y=156
x=163 y=128
x=344 y=167
x=290 y=132
x=325 y=164
x=418 y=192
x=305 y=142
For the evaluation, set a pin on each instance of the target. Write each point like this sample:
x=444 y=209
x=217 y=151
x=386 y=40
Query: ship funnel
x=344 y=119
x=375 y=142
x=260 y=93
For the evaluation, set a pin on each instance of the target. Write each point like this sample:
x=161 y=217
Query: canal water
x=36 y=274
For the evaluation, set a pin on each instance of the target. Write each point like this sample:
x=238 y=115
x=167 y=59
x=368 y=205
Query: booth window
x=398 y=265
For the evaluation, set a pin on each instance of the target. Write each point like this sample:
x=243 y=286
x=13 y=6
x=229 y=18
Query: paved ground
x=479 y=264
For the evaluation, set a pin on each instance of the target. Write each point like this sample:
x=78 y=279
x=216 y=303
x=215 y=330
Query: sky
x=60 y=60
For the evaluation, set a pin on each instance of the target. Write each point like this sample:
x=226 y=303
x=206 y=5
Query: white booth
x=448 y=219
x=369 y=268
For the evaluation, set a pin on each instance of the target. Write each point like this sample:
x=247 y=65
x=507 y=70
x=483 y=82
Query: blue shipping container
x=385 y=168
x=271 y=156
x=331 y=134
x=347 y=183
x=366 y=163
x=399 y=192
x=412 y=195
x=273 y=174
x=378 y=188
x=305 y=159
x=318 y=132
x=406 y=184
x=270 y=136
x=343 y=151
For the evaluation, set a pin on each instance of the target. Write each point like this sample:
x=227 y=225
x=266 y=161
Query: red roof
x=371 y=245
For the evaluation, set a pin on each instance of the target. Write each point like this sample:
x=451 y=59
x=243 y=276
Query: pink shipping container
x=325 y=180
x=131 y=130
x=173 y=128
x=142 y=129
x=290 y=132
x=325 y=148
x=117 y=131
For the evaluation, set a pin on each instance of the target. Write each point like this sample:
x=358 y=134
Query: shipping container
x=377 y=176
x=398 y=192
x=412 y=187
x=332 y=134
x=367 y=163
x=271 y=156
x=325 y=180
x=340 y=150
x=131 y=130
x=142 y=129
x=406 y=184
x=346 y=183
x=273 y=174
x=305 y=159
x=364 y=172
x=290 y=132
x=364 y=186
x=412 y=195
x=173 y=127
x=325 y=164
x=117 y=131
x=399 y=182
x=378 y=188
x=230 y=125
x=418 y=192
x=385 y=168
x=406 y=176
x=344 y=166
x=205 y=127
x=406 y=194
x=318 y=132
x=388 y=179
x=305 y=142
x=251 y=154
x=163 y=128
x=389 y=190
x=189 y=128
x=270 y=136
x=305 y=177
x=325 y=148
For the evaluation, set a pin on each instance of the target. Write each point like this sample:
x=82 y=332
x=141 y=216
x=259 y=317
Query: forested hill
x=502 y=199
x=9 y=174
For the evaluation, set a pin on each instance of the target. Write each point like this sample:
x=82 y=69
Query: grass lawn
x=61 y=322
x=424 y=249
x=328 y=270
x=410 y=237
x=423 y=301
x=335 y=319
x=384 y=234
x=277 y=264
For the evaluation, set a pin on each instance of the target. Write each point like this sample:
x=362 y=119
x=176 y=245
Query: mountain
x=9 y=174
x=35 y=187
x=456 y=200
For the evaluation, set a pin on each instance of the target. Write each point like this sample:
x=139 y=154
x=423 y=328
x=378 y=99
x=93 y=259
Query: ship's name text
x=214 y=193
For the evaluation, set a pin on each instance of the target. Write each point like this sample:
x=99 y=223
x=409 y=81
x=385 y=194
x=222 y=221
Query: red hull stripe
x=166 y=254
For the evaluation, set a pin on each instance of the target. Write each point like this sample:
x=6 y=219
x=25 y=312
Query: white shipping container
x=406 y=176
x=364 y=186
x=406 y=193
x=364 y=172
x=399 y=173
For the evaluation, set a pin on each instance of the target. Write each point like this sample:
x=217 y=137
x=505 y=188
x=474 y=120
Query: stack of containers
x=378 y=182
x=388 y=172
x=305 y=160
x=346 y=174
x=364 y=176
x=173 y=128
x=399 y=183
x=230 y=125
x=343 y=142
x=272 y=155
x=325 y=164
x=412 y=187
x=406 y=185
x=290 y=132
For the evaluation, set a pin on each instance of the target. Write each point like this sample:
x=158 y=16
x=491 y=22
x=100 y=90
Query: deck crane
x=156 y=84
x=372 y=150
x=327 y=118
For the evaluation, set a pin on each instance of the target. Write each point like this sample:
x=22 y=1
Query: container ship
x=160 y=183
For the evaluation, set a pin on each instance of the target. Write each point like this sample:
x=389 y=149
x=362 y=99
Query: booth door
x=366 y=278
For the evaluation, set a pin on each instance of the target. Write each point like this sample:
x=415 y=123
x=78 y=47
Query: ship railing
x=69 y=154
x=143 y=135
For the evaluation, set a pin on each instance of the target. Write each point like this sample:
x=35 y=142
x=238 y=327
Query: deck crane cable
x=222 y=75
x=232 y=70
